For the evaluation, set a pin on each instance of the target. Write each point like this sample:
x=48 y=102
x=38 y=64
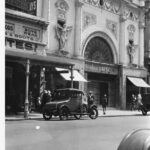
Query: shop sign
x=22 y=32
x=101 y=69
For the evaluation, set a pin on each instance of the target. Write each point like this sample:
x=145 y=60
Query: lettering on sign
x=31 y=32
x=22 y=32
x=9 y=29
x=102 y=69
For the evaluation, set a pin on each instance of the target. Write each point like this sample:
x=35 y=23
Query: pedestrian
x=133 y=102
x=90 y=98
x=104 y=103
x=139 y=101
x=38 y=103
x=49 y=96
x=43 y=99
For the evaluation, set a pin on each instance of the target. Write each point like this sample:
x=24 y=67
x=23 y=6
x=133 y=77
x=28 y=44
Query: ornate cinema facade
x=102 y=40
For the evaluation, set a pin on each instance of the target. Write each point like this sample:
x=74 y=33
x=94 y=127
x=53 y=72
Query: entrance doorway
x=99 y=89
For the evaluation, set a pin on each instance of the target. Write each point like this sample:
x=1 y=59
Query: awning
x=139 y=82
x=76 y=75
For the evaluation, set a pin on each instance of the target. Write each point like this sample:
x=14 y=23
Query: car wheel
x=63 y=115
x=78 y=116
x=144 y=112
x=47 y=115
x=93 y=113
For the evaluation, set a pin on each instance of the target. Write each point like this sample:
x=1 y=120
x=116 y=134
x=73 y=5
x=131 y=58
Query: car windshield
x=66 y=94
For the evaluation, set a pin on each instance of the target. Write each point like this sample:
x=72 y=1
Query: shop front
x=32 y=74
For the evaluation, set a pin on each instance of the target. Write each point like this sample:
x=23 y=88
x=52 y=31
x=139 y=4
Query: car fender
x=93 y=106
x=136 y=140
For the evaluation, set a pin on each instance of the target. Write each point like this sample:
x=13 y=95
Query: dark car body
x=146 y=102
x=66 y=102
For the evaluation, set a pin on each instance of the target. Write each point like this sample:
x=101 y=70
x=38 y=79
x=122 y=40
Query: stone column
x=78 y=28
x=141 y=43
x=122 y=46
x=26 y=104
x=122 y=88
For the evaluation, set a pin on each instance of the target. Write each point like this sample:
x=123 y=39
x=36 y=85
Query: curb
x=109 y=114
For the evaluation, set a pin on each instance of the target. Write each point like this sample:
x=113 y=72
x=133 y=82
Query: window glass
x=26 y=6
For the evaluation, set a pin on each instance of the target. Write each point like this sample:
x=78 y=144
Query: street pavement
x=109 y=113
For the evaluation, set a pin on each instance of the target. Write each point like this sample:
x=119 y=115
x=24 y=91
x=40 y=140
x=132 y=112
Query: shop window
x=26 y=6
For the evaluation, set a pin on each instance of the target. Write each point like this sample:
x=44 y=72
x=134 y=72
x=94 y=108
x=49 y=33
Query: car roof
x=69 y=89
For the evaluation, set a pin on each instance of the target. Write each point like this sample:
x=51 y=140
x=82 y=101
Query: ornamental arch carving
x=99 y=47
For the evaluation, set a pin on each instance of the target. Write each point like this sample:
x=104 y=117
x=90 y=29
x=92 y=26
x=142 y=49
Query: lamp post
x=26 y=104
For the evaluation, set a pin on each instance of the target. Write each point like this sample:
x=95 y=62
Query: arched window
x=98 y=50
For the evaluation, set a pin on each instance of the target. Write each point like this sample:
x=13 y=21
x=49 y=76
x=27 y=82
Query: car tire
x=63 y=114
x=144 y=112
x=47 y=115
x=93 y=113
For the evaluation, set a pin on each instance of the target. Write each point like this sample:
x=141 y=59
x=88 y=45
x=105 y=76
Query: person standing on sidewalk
x=43 y=99
x=90 y=98
x=104 y=103
x=133 y=102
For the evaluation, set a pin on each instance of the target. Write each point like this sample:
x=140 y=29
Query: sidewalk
x=109 y=113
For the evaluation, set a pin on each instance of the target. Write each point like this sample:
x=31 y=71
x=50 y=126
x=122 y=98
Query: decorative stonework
x=110 y=5
x=130 y=14
x=62 y=8
x=112 y=26
x=131 y=48
x=131 y=30
x=62 y=35
x=88 y=19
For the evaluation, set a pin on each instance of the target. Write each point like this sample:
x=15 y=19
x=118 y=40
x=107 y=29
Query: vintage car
x=136 y=140
x=146 y=103
x=69 y=102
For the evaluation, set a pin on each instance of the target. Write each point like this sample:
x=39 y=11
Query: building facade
x=103 y=40
x=147 y=38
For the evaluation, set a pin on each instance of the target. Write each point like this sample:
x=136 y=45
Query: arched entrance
x=100 y=70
